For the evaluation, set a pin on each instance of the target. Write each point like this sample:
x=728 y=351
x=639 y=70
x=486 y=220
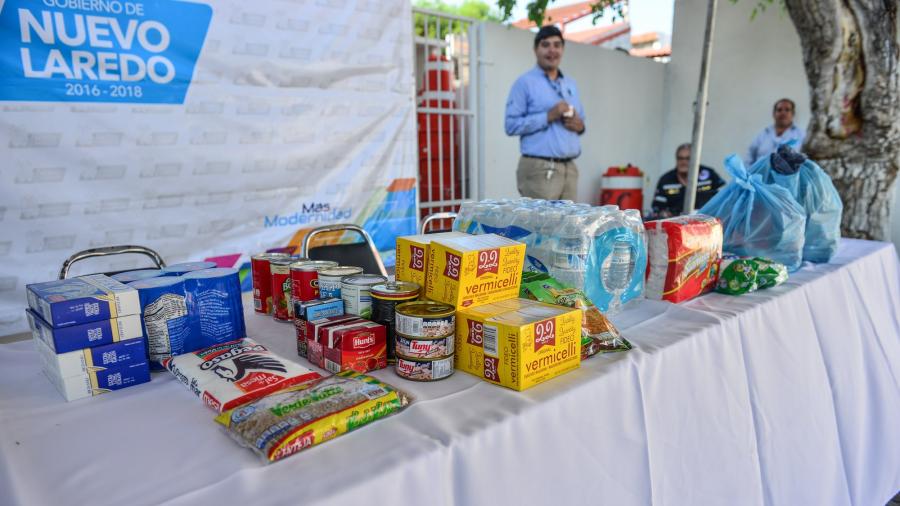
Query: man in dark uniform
x=669 y=198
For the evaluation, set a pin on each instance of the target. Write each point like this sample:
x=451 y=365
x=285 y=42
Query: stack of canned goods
x=423 y=343
x=385 y=298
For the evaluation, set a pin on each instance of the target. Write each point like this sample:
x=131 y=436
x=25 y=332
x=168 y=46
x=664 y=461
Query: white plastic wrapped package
x=230 y=374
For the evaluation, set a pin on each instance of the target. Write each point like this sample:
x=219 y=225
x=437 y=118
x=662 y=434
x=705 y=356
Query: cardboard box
x=96 y=382
x=474 y=270
x=85 y=335
x=81 y=300
x=518 y=343
x=318 y=308
x=79 y=362
x=317 y=339
x=307 y=330
x=412 y=256
x=359 y=346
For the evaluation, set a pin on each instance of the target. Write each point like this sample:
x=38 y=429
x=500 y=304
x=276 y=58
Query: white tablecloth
x=785 y=396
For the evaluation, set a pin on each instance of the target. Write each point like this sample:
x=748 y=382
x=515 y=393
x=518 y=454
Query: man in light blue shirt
x=544 y=110
x=784 y=131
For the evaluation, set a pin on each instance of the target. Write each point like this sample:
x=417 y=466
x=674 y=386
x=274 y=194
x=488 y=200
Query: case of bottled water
x=600 y=250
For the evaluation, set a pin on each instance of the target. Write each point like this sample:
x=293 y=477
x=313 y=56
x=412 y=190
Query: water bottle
x=464 y=216
x=570 y=251
x=550 y=221
x=616 y=272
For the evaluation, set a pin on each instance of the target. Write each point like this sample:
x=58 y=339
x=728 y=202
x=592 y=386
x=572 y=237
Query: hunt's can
x=305 y=278
x=421 y=348
x=425 y=370
x=426 y=319
x=385 y=297
x=262 y=280
x=282 y=306
x=330 y=280
x=355 y=290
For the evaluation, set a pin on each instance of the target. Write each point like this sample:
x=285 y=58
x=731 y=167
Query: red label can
x=262 y=281
x=305 y=278
x=282 y=308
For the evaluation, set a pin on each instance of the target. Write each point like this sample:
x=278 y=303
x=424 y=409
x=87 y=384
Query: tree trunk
x=850 y=51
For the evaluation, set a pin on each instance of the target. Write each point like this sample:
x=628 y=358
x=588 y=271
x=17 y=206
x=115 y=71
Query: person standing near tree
x=783 y=131
x=545 y=111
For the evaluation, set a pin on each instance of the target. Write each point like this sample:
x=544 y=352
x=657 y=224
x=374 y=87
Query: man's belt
x=550 y=159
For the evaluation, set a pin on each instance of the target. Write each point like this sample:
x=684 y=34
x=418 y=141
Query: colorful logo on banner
x=100 y=50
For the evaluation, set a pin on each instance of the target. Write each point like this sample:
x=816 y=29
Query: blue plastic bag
x=813 y=190
x=759 y=219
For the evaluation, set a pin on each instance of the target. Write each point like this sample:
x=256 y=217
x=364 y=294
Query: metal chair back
x=363 y=254
x=107 y=251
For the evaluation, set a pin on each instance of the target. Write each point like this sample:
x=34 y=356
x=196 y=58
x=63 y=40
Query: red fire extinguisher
x=623 y=186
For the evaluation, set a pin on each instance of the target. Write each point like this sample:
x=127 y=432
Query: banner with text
x=201 y=130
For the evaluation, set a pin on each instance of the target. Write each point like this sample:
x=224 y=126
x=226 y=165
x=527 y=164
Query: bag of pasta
x=598 y=334
x=286 y=422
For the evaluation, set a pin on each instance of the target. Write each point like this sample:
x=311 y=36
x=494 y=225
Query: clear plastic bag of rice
x=291 y=420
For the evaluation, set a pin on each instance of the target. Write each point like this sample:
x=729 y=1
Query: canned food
x=418 y=348
x=426 y=319
x=282 y=308
x=305 y=278
x=425 y=370
x=262 y=281
x=385 y=297
x=330 y=279
x=355 y=290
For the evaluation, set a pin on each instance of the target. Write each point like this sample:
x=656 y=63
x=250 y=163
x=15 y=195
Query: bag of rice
x=230 y=374
x=286 y=422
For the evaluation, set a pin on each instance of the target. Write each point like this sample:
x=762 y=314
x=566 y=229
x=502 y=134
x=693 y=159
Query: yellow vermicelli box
x=474 y=270
x=518 y=343
x=412 y=256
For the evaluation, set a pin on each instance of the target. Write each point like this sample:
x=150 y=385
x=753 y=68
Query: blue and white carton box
x=99 y=358
x=84 y=299
x=92 y=382
x=84 y=335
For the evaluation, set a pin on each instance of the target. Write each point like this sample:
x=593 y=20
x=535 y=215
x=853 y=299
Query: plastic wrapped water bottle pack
x=599 y=250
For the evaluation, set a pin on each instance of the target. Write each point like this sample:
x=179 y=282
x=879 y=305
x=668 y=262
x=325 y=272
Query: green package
x=738 y=277
x=770 y=273
x=745 y=275
x=598 y=334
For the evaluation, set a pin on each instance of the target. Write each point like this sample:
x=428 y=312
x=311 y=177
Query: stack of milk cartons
x=87 y=332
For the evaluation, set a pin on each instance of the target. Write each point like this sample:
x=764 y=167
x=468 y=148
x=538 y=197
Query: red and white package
x=683 y=256
x=230 y=374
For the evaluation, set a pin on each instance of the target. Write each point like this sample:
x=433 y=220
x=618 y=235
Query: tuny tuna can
x=282 y=307
x=426 y=319
x=356 y=294
x=385 y=297
x=305 y=278
x=330 y=280
x=425 y=370
x=262 y=280
x=421 y=348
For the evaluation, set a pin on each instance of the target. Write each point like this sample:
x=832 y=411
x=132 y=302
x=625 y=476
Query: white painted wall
x=622 y=96
x=639 y=111
x=753 y=64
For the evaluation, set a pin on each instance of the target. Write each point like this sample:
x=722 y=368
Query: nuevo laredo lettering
x=97 y=32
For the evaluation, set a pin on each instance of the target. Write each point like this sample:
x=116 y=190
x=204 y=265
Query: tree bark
x=850 y=52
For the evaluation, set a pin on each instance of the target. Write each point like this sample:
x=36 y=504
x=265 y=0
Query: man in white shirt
x=784 y=131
